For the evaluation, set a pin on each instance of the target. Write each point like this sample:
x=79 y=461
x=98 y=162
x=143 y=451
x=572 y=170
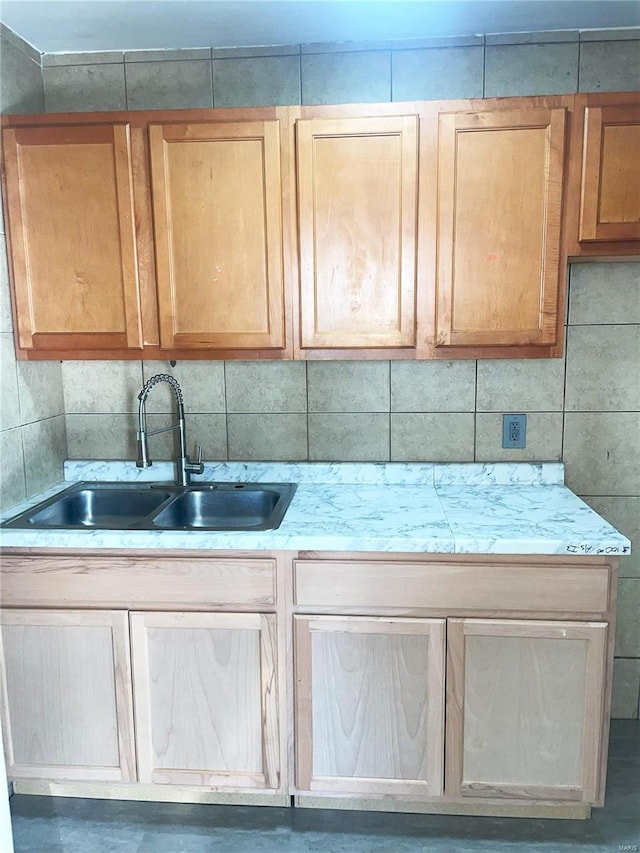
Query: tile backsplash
x=32 y=425
x=583 y=408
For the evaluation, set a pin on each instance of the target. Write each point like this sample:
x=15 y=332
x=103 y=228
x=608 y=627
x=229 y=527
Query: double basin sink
x=142 y=506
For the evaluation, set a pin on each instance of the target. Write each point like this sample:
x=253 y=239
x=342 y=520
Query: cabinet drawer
x=553 y=588
x=136 y=582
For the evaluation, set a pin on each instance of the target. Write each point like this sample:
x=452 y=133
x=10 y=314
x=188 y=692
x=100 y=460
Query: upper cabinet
x=357 y=214
x=610 y=208
x=604 y=213
x=498 y=228
x=73 y=237
x=218 y=234
x=146 y=235
x=436 y=229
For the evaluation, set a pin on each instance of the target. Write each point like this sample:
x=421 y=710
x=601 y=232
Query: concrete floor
x=61 y=825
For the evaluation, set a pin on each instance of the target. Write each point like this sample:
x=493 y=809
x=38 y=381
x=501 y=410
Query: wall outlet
x=514 y=431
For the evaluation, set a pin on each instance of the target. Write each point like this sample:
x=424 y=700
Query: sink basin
x=249 y=506
x=121 y=506
x=94 y=506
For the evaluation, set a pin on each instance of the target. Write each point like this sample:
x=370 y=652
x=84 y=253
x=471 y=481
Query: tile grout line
x=484 y=66
x=306 y=395
x=475 y=416
x=578 y=78
x=124 y=76
x=226 y=407
x=389 y=425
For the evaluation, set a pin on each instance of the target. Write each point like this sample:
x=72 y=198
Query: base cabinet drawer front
x=67 y=704
x=369 y=704
x=192 y=583
x=524 y=709
x=450 y=586
x=205 y=695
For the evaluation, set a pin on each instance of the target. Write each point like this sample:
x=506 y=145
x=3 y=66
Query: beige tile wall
x=32 y=425
x=584 y=408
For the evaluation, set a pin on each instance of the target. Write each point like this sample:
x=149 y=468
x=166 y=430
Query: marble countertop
x=473 y=508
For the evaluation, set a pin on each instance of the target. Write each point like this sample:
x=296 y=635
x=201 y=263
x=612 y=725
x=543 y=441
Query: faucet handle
x=197 y=467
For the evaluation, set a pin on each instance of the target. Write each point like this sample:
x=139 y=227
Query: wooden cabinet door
x=66 y=705
x=524 y=709
x=500 y=182
x=610 y=196
x=369 y=699
x=357 y=206
x=218 y=230
x=72 y=237
x=206 y=699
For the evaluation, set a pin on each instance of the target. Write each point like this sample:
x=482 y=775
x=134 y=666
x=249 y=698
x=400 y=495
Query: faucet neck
x=184 y=467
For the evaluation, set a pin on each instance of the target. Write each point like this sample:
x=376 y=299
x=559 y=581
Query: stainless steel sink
x=135 y=506
x=246 y=506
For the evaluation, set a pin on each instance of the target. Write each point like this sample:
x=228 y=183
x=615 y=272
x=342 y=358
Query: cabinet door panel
x=218 y=228
x=205 y=701
x=610 y=208
x=369 y=701
x=67 y=702
x=525 y=709
x=357 y=196
x=72 y=229
x=500 y=178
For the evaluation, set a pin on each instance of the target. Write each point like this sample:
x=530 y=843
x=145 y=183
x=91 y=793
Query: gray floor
x=60 y=825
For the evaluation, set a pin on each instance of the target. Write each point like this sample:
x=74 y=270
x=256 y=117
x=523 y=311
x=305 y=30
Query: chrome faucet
x=184 y=467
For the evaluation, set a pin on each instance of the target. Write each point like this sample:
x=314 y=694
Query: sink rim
x=285 y=491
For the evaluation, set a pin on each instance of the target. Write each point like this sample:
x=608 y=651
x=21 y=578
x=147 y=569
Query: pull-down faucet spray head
x=184 y=466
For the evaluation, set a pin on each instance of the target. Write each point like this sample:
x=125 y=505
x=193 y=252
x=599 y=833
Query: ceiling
x=85 y=25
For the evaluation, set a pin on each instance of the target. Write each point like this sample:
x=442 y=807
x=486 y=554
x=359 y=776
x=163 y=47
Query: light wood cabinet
x=499 y=218
x=66 y=695
x=524 y=709
x=610 y=190
x=357 y=208
x=206 y=699
x=312 y=674
x=218 y=234
x=72 y=231
x=369 y=705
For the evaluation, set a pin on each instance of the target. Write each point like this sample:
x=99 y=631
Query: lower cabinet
x=205 y=699
x=524 y=709
x=202 y=690
x=66 y=695
x=457 y=685
x=370 y=705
